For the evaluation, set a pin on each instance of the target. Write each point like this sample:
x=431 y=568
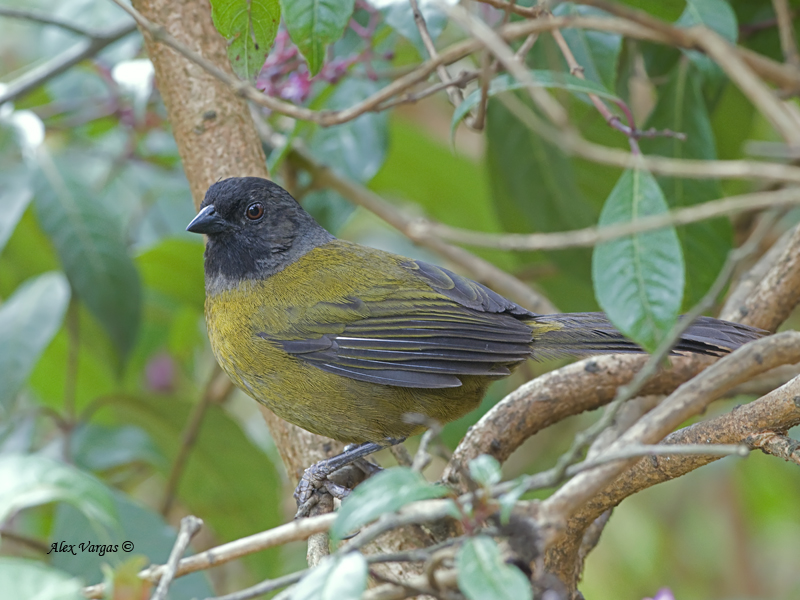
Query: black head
x=254 y=228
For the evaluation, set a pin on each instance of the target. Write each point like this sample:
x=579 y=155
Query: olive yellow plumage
x=326 y=403
x=343 y=340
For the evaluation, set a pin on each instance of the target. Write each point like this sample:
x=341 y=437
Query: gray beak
x=207 y=221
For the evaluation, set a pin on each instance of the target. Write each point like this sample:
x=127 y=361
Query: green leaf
x=485 y=470
x=448 y=186
x=545 y=79
x=98 y=447
x=681 y=107
x=146 y=530
x=28 y=321
x=356 y=148
x=509 y=500
x=534 y=186
x=159 y=264
x=335 y=578
x=596 y=51
x=14 y=198
x=483 y=574
x=717 y=15
x=32 y=480
x=91 y=247
x=638 y=279
x=250 y=27
x=30 y=579
x=386 y=492
x=313 y=24
x=228 y=479
x=398 y=15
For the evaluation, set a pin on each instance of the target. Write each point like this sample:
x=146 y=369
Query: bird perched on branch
x=344 y=340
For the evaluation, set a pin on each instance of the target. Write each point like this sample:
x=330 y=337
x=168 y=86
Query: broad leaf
x=32 y=480
x=250 y=27
x=357 y=148
x=91 y=247
x=534 y=186
x=386 y=492
x=28 y=321
x=335 y=578
x=32 y=579
x=638 y=279
x=545 y=79
x=450 y=187
x=98 y=447
x=147 y=533
x=681 y=107
x=398 y=15
x=313 y=24
x=718 y=16
x=483 y=574
x=15 y=195
x=159 y=264
x=228 y=480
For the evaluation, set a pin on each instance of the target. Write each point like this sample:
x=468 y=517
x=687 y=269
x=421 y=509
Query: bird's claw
x=314 y=482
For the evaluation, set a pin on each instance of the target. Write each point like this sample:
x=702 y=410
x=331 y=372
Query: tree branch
x=591 y=236
x=778 y=410
x=45 y=19
x=67 y=59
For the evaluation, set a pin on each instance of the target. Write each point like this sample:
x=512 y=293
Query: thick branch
x=216 y=138
x=776 y=295
x=778 y=410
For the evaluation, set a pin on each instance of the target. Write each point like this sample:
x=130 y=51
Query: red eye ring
x=255 y=211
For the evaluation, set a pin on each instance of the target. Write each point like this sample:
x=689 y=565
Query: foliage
x=103 y=354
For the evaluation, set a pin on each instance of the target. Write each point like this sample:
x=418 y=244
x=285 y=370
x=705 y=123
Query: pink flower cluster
x=285 y=73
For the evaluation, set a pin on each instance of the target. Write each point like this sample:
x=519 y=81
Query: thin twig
x=572 y=143
x=32 y=543
x=497 y=46
x=45 y=19
x=626 y=392
x=591 y=236
x=325 y=117
x=477 y=123
x=460 y=81
x=264 y=587
x=67 y=59
x=577 y=70
x=190 y=525
x=478 y=268
x=277 y=536
x=219 y=387
x=454 y=93
x=786 y=32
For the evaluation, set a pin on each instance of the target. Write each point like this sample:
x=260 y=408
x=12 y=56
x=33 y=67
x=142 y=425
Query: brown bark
x=216 y=138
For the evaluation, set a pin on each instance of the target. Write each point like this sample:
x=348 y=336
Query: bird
x=344 y=340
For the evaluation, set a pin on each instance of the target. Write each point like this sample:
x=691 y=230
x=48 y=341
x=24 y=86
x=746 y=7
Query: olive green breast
x=279 y=307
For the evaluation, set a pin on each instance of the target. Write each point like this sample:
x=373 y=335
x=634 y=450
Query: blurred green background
x=103 y=351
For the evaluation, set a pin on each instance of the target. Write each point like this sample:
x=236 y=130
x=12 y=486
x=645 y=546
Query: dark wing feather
x=458 y=328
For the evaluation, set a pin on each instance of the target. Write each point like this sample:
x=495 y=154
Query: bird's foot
x=315 y=479
x=313 y=483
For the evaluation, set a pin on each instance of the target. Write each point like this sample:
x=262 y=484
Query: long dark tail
x=579 y=334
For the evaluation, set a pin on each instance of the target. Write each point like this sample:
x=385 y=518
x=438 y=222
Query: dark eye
x=255 y=211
